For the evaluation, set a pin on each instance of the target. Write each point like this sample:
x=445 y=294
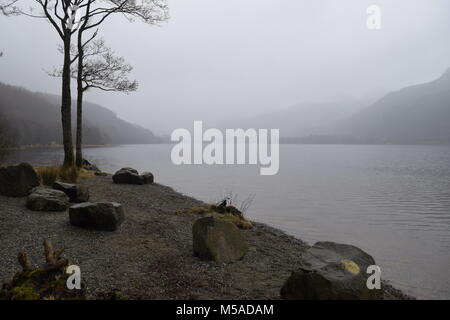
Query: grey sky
x=219 y=59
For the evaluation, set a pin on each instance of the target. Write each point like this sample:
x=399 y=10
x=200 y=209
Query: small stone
x=76 y=193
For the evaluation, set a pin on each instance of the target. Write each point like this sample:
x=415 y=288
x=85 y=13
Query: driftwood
x=52 y=258
x=45 y=282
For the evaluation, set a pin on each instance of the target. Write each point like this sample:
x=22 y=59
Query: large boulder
x=128 y=176
x=106 y=216
x=218 y=240
x=76 y=193
x=47 y=200
x=18 y=181
x=331 y=271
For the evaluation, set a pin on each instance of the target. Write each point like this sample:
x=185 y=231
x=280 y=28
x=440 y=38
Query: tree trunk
x=79 y=138
x=66 y=105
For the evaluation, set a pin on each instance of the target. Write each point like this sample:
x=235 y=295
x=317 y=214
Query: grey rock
x=331 y=271
x=89 y=166
x=18 y=181
x=148 y=177
x=47 y=200
x=76 y=193
x=129 y=169
x=218 y=240
x=128 y=176
x=105 y=216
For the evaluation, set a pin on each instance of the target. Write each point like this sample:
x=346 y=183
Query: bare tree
x=62 y=15
x=108 y=73
x=101 y=70
x=104 y=71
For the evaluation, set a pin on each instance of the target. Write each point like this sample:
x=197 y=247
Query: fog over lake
x=224 y=60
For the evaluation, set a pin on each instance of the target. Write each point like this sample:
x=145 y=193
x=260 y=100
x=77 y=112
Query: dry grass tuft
x=50 y=174
x=228 y=214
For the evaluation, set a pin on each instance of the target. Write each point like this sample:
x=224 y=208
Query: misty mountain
x=34 y=119
x=413 y=115
x=303 y=119
x=418 y=114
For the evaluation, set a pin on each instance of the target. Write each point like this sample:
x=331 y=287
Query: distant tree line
x=6 y=137
x=32 y=119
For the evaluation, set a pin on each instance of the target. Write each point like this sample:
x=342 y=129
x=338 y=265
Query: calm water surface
x=392 y=201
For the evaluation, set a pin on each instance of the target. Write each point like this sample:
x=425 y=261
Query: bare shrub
x=233 y=199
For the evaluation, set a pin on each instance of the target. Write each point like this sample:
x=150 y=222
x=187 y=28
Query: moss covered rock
x=218 y=240
x=229 y=214
x=48 y=282
x=331 y=271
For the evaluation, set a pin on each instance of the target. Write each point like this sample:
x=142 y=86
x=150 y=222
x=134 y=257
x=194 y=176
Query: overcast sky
x=218 y=59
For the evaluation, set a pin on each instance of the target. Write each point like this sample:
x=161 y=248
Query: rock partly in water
x=128 y=176
x=47 y=200
x=218 y=240
x=104 y=216
x=18 y=181
x=331 y=271
x=76 y=193
x=148 y=177
x=48 y=282
x=86 y=165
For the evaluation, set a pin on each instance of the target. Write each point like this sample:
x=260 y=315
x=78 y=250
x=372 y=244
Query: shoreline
x=151 y=256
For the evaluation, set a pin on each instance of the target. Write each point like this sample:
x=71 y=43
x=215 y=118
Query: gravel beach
x=150 y=256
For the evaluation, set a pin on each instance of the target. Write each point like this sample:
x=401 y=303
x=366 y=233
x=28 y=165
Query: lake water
x=392 y=201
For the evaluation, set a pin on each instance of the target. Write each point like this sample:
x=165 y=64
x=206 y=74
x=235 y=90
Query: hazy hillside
x=416 y=114
x=302 y=119
x=34 y=118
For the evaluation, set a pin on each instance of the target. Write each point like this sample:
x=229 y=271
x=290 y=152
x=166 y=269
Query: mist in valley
x=299 y=66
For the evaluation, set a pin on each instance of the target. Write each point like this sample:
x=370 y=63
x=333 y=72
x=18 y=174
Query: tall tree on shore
x=101 y=70
x=97 y=74
x=69 y=16
x=61 y=14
